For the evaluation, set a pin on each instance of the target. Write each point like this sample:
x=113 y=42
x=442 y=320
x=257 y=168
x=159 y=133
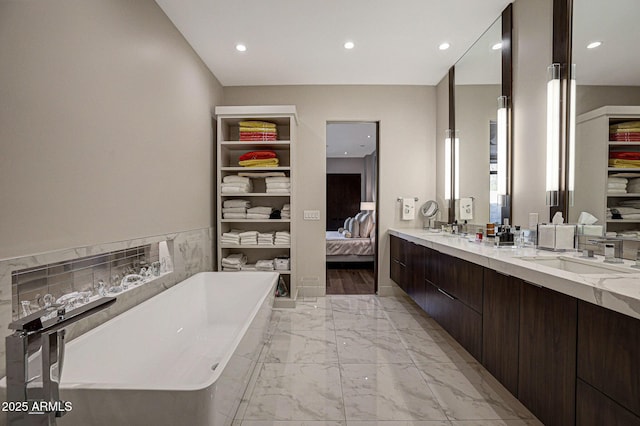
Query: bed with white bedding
x=342 y=249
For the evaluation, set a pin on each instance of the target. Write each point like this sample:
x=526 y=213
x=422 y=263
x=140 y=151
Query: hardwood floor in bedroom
x=350 y=281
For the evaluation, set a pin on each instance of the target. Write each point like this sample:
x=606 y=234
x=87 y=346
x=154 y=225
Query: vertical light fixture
x=553 y=135
x=447 y=165
x=456 y=165
x=572 y=134
x=451 y=168
x=502 y=150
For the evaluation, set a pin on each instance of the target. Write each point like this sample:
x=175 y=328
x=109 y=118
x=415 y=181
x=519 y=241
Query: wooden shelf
x=229 y=150
x=630 y=195
x=256 y=194
x=253 y=246
x=258 y=169
x=623 y=220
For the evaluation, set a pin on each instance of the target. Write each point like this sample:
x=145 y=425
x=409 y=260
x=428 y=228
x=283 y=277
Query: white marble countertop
x=616 y=291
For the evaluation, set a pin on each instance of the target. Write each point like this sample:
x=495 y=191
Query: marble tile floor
x=359 y=360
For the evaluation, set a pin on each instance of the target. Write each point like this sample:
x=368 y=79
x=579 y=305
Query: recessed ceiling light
x=241 y=47
x=594 y=44
x=368 y=136
x=497 y=46
x=444 y=46
x=349 y=45
x=345 y=153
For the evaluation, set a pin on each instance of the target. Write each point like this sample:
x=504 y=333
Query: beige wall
x=105 y=125
x=532 y=28
x=407 y=157
x=589 y=98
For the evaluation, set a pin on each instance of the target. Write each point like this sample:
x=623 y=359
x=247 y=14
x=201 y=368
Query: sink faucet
x=32 y=334
x=612 y=249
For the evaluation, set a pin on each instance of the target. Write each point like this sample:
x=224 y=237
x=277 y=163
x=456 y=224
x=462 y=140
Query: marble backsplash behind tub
x=190 y=252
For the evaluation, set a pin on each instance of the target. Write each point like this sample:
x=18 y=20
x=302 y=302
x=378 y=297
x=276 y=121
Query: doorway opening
x=351 y=206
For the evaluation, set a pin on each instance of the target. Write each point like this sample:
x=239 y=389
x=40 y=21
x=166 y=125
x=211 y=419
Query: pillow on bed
x=354 y=228
x=346 y=223
x=358 y=217
x=366 y=225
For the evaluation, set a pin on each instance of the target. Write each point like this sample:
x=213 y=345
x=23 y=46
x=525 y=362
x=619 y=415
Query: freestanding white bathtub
x=183 y=357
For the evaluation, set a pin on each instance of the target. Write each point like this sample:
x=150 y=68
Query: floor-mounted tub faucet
x=32 y=334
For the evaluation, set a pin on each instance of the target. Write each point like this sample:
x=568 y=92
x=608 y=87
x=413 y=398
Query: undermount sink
x=580 y=266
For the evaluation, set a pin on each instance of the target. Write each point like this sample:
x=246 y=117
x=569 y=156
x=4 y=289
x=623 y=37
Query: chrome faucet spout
x=33 y=333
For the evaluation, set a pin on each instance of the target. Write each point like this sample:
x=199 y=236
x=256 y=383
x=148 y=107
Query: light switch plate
x=311 y=215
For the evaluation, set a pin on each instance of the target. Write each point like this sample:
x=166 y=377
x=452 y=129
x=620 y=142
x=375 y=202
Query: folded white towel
x=618 y=185
x=234 y=210
x=277 y=191
x=260 y=210
x=617 y=180
x=278 y=185
x=286 y=207
x=234 y=190
x=248 y=267
x=236 y=179
x=249 y=234
x=277 y=179
x=236 y=203
x=234 y=259
x=257 y=216
x=234 y=215
x=235 y=185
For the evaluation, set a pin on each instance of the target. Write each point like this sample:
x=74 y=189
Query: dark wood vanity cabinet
x=608 y=366
x=570 y=362
x=501 y=327
x=398 y=260
x=547 y=354
x=453 y=300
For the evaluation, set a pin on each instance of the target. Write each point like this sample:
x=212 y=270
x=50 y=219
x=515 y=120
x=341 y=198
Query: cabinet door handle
x=446 y=294
x=533 y=284
x=396 y=260
x=402 y=264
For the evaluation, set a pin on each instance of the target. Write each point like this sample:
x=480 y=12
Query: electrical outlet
x=311 y=215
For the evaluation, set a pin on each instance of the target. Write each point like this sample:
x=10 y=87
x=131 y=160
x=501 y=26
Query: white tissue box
x=556 y=237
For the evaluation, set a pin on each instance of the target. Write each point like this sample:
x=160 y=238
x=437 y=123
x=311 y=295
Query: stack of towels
x=617 y=185
x=633 y=187
x=259 y=212
x=231 y=237
x=285 y=213
x=625 y=132
x=283 y=238
x=249 y=238
x=234 y=184
x=234 y=262
x=258 y=159
x=624 y=159
x=235 y=209
x=265 y=239
x=282 y=263
x=265 y=265
x=278 y=185
x=623 y=212
x=258 y=131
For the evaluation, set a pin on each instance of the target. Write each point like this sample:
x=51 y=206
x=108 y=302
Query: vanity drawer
x=609 y=354
x=593 y=408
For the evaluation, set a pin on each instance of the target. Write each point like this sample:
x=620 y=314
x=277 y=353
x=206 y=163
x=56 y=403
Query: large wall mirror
x=607 y=110
x=482 y=133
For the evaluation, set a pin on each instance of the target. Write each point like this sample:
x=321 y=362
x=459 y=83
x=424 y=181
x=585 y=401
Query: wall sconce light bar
x=502 y=150
x=553 y=135
x=572 y=135
x=447 y=165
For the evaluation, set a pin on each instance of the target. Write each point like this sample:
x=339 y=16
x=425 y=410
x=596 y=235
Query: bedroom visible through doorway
x=351 y=223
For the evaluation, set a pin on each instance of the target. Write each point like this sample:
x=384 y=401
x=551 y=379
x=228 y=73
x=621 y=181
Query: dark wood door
x=609 y=353
x=416 y=272
x=593 y=408
x=547 y=359
x=395 y=267
x=467 y=283
x=501 y=327
x=343 y=198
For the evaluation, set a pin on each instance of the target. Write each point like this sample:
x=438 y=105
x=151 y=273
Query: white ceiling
x=616 y=23
x=481 y=64
x=301 y=42
x=356 y=139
